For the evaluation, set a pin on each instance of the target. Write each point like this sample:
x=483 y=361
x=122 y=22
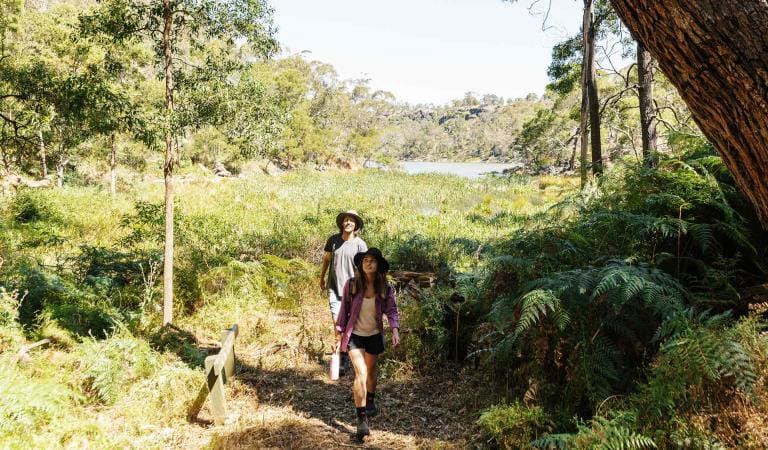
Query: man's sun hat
x=354 y=215
x=376 y=253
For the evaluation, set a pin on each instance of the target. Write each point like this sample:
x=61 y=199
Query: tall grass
x=83 y=269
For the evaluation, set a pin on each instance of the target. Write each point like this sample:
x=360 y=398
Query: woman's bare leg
x=358 y=358
x=370 y=363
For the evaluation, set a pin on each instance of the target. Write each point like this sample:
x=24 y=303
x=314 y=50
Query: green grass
x=83 y=269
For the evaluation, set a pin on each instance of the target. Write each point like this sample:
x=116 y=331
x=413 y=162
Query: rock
x=12 y=181
x=271 y=169
x=42 y=183
x=221 y=171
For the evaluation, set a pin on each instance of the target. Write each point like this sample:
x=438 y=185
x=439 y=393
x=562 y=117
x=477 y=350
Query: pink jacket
x=350 y=309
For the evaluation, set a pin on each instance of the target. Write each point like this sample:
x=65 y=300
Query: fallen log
x=269 y=350
x=23 y=353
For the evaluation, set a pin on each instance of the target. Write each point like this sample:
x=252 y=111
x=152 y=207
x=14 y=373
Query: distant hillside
x=468 y=129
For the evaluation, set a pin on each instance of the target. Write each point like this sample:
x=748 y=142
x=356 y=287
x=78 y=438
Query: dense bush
x=109 y=366
x=628 y=289
x=29 y=403
x=512 y=426
x=29 y=206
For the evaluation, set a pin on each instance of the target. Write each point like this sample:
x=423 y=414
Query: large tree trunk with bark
x=647 y=113
x=716 y=54
x=168 y=168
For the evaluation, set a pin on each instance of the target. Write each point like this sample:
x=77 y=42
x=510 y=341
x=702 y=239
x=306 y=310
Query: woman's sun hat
x=354 y=215
x=376 y=253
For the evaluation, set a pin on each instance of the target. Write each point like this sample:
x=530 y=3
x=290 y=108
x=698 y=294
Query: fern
x=107 y=366
x=602 y=433
x=534 y=305
x=29 y=403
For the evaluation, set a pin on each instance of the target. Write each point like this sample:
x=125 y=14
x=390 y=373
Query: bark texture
x=647 y=112
x=594 y=101
x=716 y=54
x=112 y=166
x=584 y=112
x=43 y=160
x=170 y=158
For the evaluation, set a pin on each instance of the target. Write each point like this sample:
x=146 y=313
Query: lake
x=463 y=169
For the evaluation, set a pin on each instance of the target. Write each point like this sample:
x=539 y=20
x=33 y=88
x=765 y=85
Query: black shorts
x=370 y=344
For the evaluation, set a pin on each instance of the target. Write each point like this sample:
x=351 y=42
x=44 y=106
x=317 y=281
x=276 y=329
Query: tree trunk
x=168 y=168
x=60 y=172
x=43 y=162
x=716 y=55
x=647 y=114
x=584 y=112
x=112 y=166
x=594 y=103
x=572 y=160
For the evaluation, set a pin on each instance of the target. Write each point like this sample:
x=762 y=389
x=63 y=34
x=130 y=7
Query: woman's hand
x=395 y=337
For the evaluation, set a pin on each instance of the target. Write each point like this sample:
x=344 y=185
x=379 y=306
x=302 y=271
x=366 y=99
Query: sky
x=430 y=51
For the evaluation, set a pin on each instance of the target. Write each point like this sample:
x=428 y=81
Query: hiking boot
x=370 y=405
x=362 y=428
x=371 y=410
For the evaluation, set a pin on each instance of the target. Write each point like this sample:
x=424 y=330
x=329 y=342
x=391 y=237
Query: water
x=463 y=169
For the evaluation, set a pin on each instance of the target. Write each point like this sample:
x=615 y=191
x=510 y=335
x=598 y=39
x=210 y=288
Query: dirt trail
x=286 y=400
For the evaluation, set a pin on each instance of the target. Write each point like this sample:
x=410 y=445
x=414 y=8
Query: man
x=338 y=260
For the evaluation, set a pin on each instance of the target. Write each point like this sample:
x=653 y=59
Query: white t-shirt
x=366 y=321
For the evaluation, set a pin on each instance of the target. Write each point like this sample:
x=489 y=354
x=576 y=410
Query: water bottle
x=334 y=368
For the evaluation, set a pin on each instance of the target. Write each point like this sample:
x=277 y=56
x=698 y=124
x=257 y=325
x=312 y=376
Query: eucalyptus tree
x=55 y=87
x=180 y=31
x=716 y=54
x=647 y=111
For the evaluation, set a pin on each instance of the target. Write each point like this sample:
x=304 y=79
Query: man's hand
x=322 y=283
x=395 y=337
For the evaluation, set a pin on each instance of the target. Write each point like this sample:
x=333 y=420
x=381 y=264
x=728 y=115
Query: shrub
x=600 y=433
x=29 y=403
x=108 y=366
x=31 y=205
x=11 y=335
x=512 y=426
x=164 y=397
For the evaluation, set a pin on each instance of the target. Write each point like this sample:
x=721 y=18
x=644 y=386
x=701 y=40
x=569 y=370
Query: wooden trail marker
x=219 y=369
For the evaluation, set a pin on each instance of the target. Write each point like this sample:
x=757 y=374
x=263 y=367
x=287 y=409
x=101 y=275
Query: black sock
x=369 y=398
x=360 y=412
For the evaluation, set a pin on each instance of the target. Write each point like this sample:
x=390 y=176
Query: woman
x=360 y=328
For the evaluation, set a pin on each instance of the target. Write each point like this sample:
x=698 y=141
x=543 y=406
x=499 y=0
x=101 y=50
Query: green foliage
x=10 y=330
x=512 y=426
x=620 y=291
x=601 y=433
x=29 y=403
x=592 y=313
x=698 y=350
x=286 y=280
x=108 y=366
x=420 y=253
x=30 y=206
x=426 y=347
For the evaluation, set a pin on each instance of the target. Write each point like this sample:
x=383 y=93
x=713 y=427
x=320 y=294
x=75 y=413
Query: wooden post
x=218 y=369
x=215 y=384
